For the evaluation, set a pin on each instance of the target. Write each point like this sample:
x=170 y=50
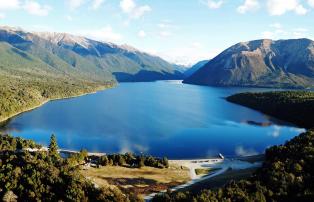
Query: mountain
x=88 y=59
x=261 y=63
x=195 y=67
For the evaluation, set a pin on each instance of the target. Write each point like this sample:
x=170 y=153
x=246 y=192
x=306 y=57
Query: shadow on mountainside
x=145 y=76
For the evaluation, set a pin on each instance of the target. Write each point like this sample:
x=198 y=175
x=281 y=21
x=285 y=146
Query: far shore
x=2 y=120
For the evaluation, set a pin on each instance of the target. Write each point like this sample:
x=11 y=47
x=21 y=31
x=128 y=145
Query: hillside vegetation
x=293 y=106
x=20 y=94
x=87 y=59
x=38 y=67
x=45 y=176
x=26 y=82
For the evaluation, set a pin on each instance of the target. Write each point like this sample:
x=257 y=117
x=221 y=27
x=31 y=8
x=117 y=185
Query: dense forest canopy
x=296 y=107
x=45 y=176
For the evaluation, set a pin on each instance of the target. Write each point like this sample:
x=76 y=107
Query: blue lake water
x=164 y=118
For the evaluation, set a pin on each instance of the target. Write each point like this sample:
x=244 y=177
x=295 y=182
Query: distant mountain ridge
x=261 y=63
x=195 y=68
x=88 y=59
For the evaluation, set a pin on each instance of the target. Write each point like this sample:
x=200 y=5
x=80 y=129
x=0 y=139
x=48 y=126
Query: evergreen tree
x=53 y=147
x=165 y=162
x=140 y=162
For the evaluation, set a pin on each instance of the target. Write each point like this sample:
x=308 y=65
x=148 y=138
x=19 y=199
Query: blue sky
x=181 y=31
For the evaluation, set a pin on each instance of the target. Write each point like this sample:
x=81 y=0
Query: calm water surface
x=164 y=118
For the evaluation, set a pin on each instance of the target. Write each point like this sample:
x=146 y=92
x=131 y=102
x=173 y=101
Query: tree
x=19 y=144
x=121 y=160
x=103 y=160
x=53 y=147
x=165 y=162
x=83 y=155
x=140 y=161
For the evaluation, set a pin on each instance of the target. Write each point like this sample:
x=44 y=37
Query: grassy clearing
x=140 y=181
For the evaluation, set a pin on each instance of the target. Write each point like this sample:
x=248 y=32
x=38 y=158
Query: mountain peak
x=85 y=58
x=57 y=38
x=263 y=63
x=11 y=29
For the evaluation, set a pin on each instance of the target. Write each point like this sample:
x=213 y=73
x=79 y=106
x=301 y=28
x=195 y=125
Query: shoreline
x=3 y=120
x=222 y=166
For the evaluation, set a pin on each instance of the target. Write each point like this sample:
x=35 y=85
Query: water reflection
x=159 y=118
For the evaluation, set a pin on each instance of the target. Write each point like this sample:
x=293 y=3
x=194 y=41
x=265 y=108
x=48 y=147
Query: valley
x=133 y=108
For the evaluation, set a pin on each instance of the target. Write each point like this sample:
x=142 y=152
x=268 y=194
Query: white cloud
x=34 y=8
x=69 y=18
x=249 y=5
x=196 y=45
x=300 y=33
x=311 y=3
x=129 y=7
x=167 y=24
x=276 y=34
x=165 y=33
x=142 y=34
x=140 y=11
x=163 y=25
x=300 y=10
x=279 y=33
x=2 y=16
x=188 y=54
x=213 y=4
x=280 y=7
x=268 y=35
x=96 y=4
x=103 y=34
x=74 y=4
x=9 y=4
x=276 y=25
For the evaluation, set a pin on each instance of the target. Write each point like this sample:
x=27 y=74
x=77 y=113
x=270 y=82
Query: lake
x=164 y=118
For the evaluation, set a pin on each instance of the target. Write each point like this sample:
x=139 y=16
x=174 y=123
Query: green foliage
x=32 y=176
x=294 y=106
x=140 y=162
x=8 y=143
x=131 y=160
x=103 y=161
x=53 y=148
x=20 y=91
x=27 y=81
